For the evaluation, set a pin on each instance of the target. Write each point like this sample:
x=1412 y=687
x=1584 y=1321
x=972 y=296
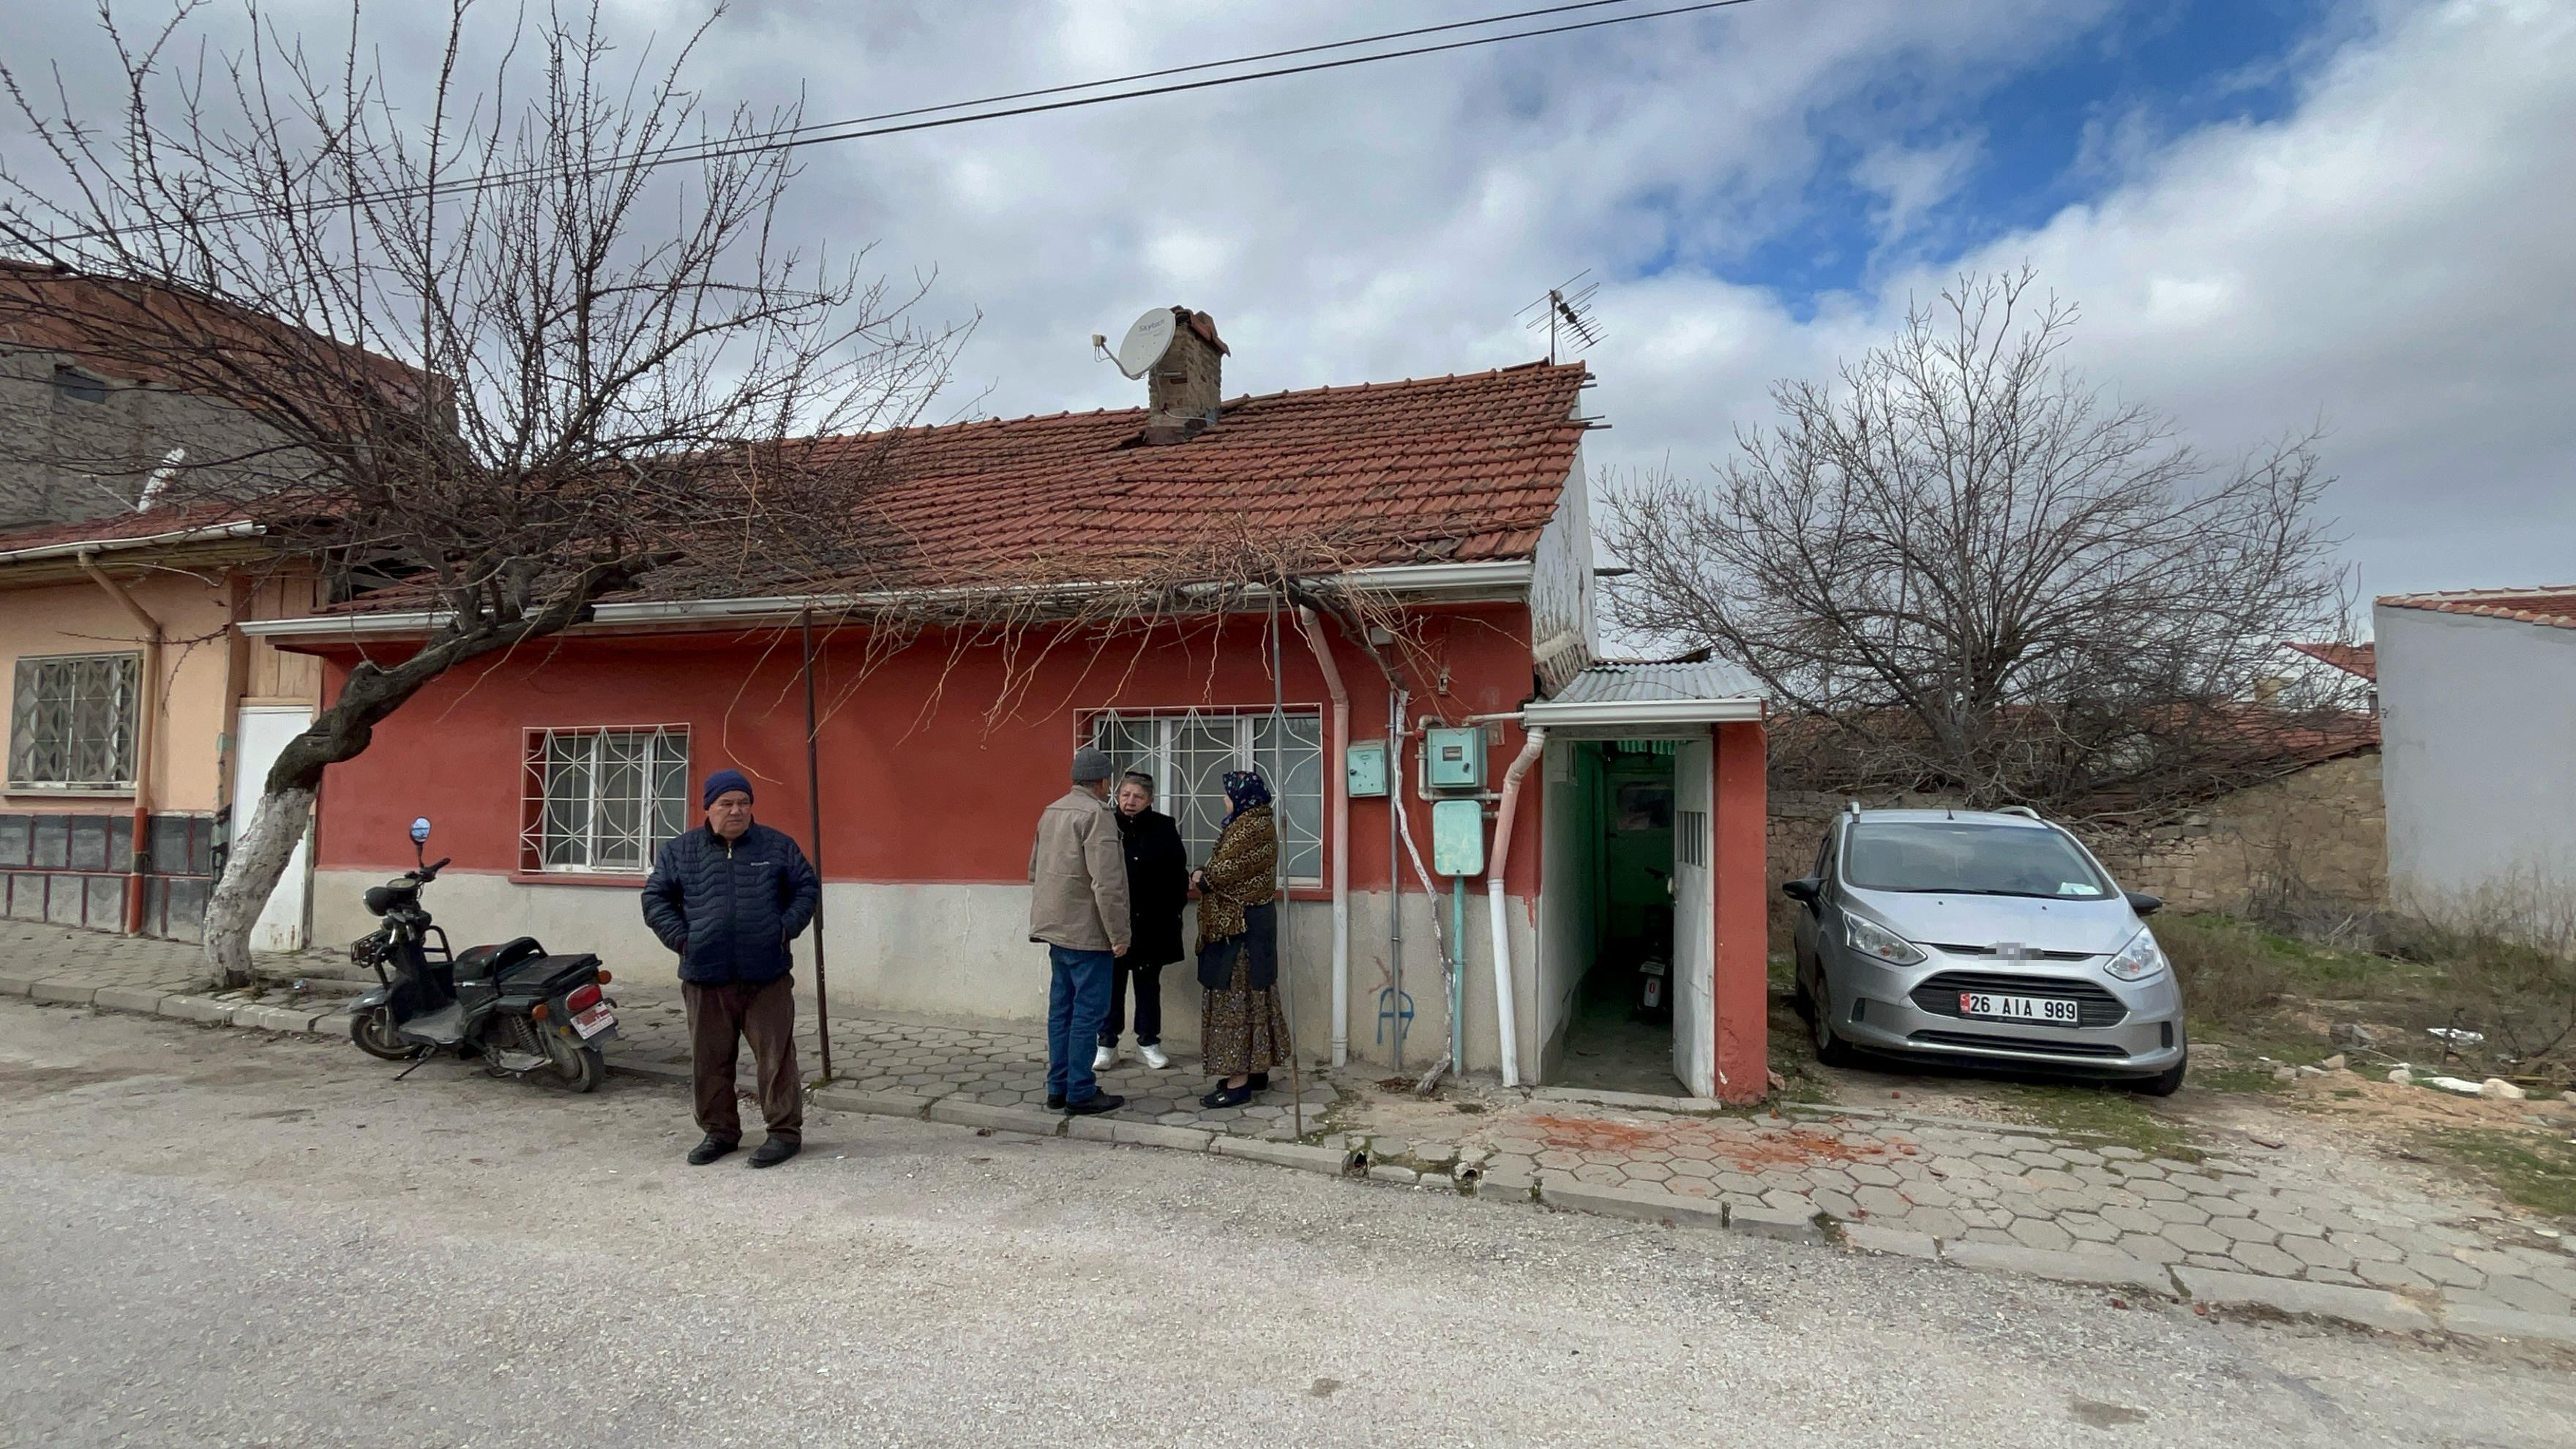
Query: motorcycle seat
x=491 y=963
x=545 y=970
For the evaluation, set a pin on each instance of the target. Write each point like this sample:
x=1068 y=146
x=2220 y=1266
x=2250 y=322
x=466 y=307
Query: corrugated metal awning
x=1701 y=692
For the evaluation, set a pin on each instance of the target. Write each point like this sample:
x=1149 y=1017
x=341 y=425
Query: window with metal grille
x=72 y=720
x=603 y=799
x=1188 y=752
x=1690 y=836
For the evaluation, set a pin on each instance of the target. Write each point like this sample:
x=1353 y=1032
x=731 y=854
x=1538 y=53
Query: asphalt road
x=210 y=1237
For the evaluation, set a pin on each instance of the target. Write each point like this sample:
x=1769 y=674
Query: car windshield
x=1962 y=858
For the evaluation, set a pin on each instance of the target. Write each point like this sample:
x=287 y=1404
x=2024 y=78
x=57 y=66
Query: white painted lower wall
x=961 y=954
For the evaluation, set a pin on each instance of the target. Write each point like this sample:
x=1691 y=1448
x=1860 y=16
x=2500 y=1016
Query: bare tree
x=1972 y=573
x=514 y=345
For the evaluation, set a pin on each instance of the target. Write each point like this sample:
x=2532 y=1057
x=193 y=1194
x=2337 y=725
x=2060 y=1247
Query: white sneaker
x=1153 y=1057
x=1103 y=1059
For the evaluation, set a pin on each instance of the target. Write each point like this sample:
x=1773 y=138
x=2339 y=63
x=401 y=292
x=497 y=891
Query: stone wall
x=2318 y=838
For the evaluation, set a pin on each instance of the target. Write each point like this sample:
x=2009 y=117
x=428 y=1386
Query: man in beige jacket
x=1078 y=908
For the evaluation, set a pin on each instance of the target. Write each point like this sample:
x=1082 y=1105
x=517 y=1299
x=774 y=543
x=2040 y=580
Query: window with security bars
x=72 y=722
x=604 y=800
x=1189 y=752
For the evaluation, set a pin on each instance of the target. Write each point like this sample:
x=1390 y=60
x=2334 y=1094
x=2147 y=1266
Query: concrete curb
x=2095 y=1270
x=2369 y=1307
x=2290 y=1297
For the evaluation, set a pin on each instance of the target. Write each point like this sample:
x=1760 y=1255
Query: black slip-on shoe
x=1095 y=1104
x=775 y=1151
x=709 y=1150
x=1054 y=1102
x=1225 y=1096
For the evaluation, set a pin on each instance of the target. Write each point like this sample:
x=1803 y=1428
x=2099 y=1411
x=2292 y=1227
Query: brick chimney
x=1181 y=392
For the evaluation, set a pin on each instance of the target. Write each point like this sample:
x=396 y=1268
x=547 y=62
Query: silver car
x=1986 y=936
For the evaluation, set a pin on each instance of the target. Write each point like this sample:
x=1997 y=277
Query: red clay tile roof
x=2553 y=604
x=2355 y=659
x=1443 y=469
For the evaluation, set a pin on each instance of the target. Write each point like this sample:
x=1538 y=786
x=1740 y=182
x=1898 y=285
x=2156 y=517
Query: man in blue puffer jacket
x=728 y=897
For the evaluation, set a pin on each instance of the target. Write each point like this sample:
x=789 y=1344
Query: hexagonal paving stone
x=2316 y=1252
x=2288 y=1224
x=1881 y=1202
x=2088 y=1228
x=1933 y=1222
x=2194 y=1239
x=2156 y=1189
x=2175 y=1212
x=1560 y=1159
x=2148 y=1248
x=2243 y=1230
x=2224 y=1207
x=2527 y=1294
x=1787 y=1201
x=1605 y=1175
x=2040 y=1233
x=2265 y=1259
x=1871 y=1174
x=2446 y=1270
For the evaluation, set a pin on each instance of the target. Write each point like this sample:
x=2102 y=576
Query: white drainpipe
x=1338 y=777
x=1506 y=1012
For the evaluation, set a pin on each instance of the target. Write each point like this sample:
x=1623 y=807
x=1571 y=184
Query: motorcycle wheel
x=573 y=1067
x=374 y=1033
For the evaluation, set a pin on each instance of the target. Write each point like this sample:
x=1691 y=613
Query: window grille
x=603 y=800
x=72 y=722
x=1189 y=751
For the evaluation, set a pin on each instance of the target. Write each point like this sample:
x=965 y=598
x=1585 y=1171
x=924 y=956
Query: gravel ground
x=219 y=1238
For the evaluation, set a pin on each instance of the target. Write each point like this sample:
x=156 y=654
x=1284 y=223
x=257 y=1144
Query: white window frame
x=661 y=814
x=1301 y=823
x=125 y=694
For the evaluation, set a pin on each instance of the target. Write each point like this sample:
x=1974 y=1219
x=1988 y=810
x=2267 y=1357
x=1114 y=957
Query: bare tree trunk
x=258 y=859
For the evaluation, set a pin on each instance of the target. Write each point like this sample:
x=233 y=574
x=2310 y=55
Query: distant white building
x=2477 y=696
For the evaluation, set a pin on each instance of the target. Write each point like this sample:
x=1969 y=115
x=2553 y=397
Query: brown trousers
x=721 y=1018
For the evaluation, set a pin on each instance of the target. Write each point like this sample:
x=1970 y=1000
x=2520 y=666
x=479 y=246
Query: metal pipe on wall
x=1395 y=869
x=147 y=735
x=1337 y=780
x=814 y=807
x=1533 y=744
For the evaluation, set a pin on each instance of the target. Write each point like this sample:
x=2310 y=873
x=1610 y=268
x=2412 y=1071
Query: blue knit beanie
x=723 y=780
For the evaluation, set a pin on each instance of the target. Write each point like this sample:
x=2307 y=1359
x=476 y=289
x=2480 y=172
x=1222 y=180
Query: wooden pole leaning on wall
x=1279 y=868
x=814 y=812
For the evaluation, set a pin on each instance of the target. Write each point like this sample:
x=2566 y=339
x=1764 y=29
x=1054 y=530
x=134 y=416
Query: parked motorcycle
x=521 y=1011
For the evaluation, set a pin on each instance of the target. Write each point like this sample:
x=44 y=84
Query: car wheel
x=1801 y=1000
x=1831 y=1050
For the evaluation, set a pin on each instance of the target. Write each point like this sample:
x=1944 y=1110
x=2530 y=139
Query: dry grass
x=2398 y=975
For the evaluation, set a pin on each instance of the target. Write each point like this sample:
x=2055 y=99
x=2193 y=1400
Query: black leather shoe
x=1054 y=1102
x=709 y=1150
x=775 y=1151
x=1095 y=1104
x=1225 y=1096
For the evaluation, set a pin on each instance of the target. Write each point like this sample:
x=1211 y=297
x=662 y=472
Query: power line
x=791 y=138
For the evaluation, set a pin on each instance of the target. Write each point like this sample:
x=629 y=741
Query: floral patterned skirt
x=1242 y=1031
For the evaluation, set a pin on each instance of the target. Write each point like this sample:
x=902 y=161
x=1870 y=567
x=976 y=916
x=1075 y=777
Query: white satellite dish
x=1145 y=343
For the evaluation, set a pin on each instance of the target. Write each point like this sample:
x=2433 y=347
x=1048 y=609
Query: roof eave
x=1630 y=712
x=76 y=548
x=1486 y=581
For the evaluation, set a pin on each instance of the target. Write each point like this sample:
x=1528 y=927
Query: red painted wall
x=917 y=785
x=1743 y=934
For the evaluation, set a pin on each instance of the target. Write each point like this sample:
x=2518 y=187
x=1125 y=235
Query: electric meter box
x=1457 y=837
x=1365 y=767
x=1454 y=759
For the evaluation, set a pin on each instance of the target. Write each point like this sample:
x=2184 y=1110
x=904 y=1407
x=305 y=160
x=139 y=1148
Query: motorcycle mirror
x=420 y=830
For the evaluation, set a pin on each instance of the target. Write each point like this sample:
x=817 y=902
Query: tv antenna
x=1567 y=312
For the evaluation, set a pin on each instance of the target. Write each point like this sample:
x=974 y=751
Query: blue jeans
x=1077 y=1002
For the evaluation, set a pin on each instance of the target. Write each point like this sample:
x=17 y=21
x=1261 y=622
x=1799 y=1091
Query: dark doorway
x=1620 y=1037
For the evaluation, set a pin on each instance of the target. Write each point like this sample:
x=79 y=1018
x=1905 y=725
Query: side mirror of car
x=2144 y=904
x=1804 y=889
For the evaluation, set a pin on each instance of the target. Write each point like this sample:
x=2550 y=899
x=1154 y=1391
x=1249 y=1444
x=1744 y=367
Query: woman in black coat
x=1158 y=887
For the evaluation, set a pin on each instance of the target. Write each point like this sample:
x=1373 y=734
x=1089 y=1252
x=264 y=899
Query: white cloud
x=2392 y=255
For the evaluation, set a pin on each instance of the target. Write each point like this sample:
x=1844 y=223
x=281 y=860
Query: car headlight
x=1871 y=939
x=2140 y=959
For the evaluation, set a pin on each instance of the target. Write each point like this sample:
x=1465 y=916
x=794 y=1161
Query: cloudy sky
x=2272 y=212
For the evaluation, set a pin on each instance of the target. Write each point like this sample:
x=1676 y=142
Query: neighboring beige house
x=139 y=711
